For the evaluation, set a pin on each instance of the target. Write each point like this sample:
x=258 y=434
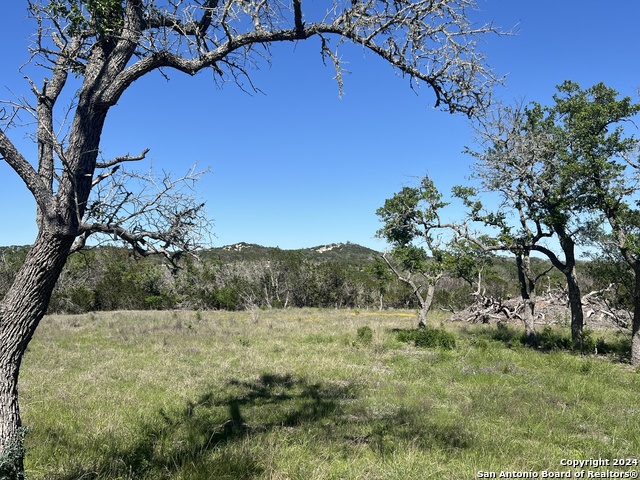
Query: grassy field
x=311 y=394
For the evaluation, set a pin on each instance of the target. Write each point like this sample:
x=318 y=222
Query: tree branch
x=122 y=159
x=153 y=215
x=438 y=45
x=39 y=191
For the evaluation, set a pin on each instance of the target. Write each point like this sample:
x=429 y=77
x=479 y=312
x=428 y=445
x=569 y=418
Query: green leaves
x=400 y=215
x=412 y=259
x=593 y=142
x=96 y=17
x=411 y=213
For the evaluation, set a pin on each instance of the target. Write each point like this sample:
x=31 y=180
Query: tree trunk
x=528 y=319
x=21 y=310
x=575 y=298
x=11 y=448
x=635 y=337
x=422 y=316
x=575 y=304
x=425 y=304
x=528 y=295
x=635 y=327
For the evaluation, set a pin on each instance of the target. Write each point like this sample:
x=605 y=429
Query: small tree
x=419 y=257
x=380 y=272
x=411 y=265
x=92 y=51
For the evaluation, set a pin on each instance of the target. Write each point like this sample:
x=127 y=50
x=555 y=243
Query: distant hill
x=334 y=252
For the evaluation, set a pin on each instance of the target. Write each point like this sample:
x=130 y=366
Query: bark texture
x=11 y=461
x=568 y=269
x=425 y=303
x=20 y=313
x=575 y=303
x=528 y=294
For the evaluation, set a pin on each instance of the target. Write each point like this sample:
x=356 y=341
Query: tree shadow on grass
x=193 y=440
x=549 y=339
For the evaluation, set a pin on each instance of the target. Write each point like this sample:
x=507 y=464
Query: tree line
x=113 y=278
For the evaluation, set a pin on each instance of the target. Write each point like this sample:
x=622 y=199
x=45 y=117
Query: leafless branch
x=122 y=159
x=152 y=214
x=29 y=176
x=430 y=42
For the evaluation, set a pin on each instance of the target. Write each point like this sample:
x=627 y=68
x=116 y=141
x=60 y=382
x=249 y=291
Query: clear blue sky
x=298 y=166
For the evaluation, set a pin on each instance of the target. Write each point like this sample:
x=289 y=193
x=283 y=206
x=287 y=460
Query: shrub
x=160 y=302
x=588 y=342
x=619 y=344
x=365 y=335
x=428 y=338
x=506 y=334
x=554 y=339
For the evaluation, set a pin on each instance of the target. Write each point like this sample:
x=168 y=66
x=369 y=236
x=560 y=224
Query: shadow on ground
x=195 y=435
x=549 y=339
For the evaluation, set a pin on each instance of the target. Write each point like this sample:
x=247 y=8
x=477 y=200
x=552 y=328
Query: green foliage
x=365 y=335
x=556 y=339
x=616 y=344
x=228 y=297
x=76 y=299
x=424 y=249
x=553 y=339
x=415 y=260
x=592 y=140
x=561 y=172
x=411 y=213
x=428 y=337
x=159 y=302
x=11 y=459
x=112 y=279
x=11 y=259
x=99 y=17
x=380 y=272
x=453 y=296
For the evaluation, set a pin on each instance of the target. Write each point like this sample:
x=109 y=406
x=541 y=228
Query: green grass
x=310 y=394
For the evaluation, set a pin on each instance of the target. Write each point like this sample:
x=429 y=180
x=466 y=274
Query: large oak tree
x=92 y=51
x=603 y=163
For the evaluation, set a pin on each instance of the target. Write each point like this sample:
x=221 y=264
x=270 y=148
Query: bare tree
x=90 y=52
x=151 y=214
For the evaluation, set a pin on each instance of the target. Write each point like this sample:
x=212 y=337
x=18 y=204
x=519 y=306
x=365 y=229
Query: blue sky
x=298 y=166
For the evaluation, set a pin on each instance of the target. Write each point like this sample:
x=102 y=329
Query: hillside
x=244 y=275
x=242 y=251
x=335 y=252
